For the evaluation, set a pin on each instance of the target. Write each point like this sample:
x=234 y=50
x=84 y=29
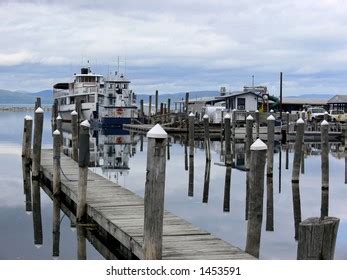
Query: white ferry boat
x=103 y=101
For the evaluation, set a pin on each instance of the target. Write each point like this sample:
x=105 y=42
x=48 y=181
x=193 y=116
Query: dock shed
x=338 y=102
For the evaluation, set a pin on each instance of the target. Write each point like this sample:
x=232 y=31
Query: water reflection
x=56 y=226
x=112 y=155
x=36 y=208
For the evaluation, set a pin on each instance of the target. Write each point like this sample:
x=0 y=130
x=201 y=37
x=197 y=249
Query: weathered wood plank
x=121 y=213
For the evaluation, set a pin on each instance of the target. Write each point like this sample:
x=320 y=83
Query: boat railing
x=57 y=93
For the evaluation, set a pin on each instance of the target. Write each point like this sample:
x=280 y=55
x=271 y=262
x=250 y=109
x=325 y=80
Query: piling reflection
x=227 y=185
x=206 y=181
x=56 y=226
x=36 y=208
x=81 y=242
x=269 y=204
x=191 y=176
x=27 y=186
x=296 y=207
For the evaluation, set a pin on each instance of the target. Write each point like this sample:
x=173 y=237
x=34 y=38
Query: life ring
x=119 y=111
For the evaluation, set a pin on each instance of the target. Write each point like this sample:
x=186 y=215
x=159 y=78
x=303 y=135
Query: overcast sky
x=177 y=45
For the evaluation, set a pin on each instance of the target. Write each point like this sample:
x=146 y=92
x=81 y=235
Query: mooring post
x=59 y=121
x=207 y=137
x=156 y=101
x=191 y=155
x=287 y=126
x=233 y=119
x=56 y=162
x=37 y=103
x=325 y=168
x=300 y=128
x=38 y=127
x=249 y=141
x=74 y=132
x=141 y=110
x=150 y=109
x=186 y=107
x=169 y=107
x=227 y=135
x=317 y=238
x=81 y=242
x=154 y=193
x=269 y=172
x=257 y=120
x=83 y=163
x=326 y=116
x=257 y=166
x=27 y=134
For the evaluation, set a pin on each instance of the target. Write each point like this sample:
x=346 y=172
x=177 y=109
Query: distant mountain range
x=23 y=97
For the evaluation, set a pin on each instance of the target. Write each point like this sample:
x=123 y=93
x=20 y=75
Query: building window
x=241 y=103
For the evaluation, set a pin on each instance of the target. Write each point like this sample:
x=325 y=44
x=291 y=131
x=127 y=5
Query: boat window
x=125 y=86
x=109 y=85
x=91 y=98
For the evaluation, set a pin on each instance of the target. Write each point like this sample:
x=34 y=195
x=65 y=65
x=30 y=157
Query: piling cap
x=191 y=114
x=59 y=117
x=205 y=116
x=227 y=116
x=38 y=246
x=326 y=113
x=234 y=110
x=271 y=118
x=287 y=113
x=258 y=145
x=271 y=111
x=56 y=132
x=85 y=123
x=324 y=123
x=39 y=110
x=250 y=118
x=300 y=121
x=28 y=118
x=257 y=111
x=73 y=113
x=303 y=111
x=157 y=132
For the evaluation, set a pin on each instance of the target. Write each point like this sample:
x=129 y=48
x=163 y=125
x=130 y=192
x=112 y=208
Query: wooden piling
x=156 y=101
x=257 y=166
x=27 y=135
x=326 y=116
x=150 y=109
x=38 y=103
x=207 y=138
x=141 y=110
x=269 y=172
x=191 y=133
x=56 y=162
x=257 y=120
x=303 y=115
x=325 y=168
x=317 y=238
x=38 y=127
x=154 y=193
x=81 y=242
x=227 y=135
x=74 y=132
x=83 y=162
x=191 y=155
x=270 y=144
x=249 y=141
x=59 y=121
x=233 y=119
x=300 y=128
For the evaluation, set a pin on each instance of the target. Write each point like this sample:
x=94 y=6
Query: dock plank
x=121 y=213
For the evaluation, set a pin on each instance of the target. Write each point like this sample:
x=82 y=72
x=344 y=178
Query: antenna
x=125 y=65
x=117 y=64
x=252 y=81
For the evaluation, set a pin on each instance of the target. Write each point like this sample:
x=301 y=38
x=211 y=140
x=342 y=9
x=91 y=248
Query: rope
x=70 y=180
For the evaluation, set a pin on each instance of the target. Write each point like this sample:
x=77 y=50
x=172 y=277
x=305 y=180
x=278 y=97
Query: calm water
x=125 y=163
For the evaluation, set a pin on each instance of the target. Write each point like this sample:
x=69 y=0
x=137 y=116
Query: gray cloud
x=185 y=45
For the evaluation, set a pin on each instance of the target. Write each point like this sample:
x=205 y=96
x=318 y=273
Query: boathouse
x=338 y=102
x=240 y=100
x=290 y=104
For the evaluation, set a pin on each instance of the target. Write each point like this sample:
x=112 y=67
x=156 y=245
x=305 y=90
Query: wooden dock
x=120 y=213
